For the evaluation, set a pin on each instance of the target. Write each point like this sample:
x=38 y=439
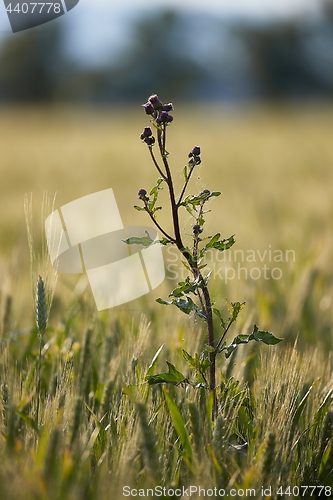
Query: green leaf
x=184 y=288
x=156 y=188
x=213 y=241
x=221 y=245
x=301 y=406
x=240 y=339
x=152 y=365
x=219 y=315
x=234 y=309
x=164 y=241
x=204 y=365
x=173 y=377
x=145 y=241
x=209 y=348
x=259 y=336
x=28 y=420
x=139 y=209
x=263 y=336
x=163 y=302
x=185 y=305
x=192 y=362
x=180 y=428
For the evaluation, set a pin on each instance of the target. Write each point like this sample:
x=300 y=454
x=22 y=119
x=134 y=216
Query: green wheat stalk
x=41 y=321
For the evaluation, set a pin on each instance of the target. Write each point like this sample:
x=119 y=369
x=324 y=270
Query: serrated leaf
x=236 y=309
x=263 y=336
x=173 y=377
x=221 y=245
x=219 y=315
x=213 y=241
x=259 y=336
x=193 y=363
x=184 y=287
x=240 y=339
x=185 y=305
x=145 y=241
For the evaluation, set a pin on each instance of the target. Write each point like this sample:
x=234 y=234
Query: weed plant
x=101 y=427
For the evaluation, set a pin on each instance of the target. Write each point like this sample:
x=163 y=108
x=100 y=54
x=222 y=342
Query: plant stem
x=161 y=137
x=158 y=226
x=156 y=164
x=39 y=376
x=185 y=186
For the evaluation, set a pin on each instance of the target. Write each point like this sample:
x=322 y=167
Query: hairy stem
x=156 y=164
x=185 y=186
x=158 y=226
x=161 y=137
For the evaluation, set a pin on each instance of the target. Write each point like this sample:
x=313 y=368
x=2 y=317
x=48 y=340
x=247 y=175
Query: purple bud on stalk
x=197 y=229
x=195 y=160
x=142 y=193
x=164 y=118
x=168 y=107
x=147 y=132
x=205 y=192
x=149 y=108
x=150 y=141
x=155 y=102
x=195 y=151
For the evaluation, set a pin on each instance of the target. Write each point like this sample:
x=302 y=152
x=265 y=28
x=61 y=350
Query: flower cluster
x=194 y=156
x=159 y=111
x=147 y=136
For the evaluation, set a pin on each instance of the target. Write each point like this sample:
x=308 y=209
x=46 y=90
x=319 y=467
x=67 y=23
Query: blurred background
x=252 y=84
x=216 y=51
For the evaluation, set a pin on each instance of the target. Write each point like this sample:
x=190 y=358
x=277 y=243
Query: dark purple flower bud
x=205 y=192
x=155 y=102
x=147 y=132
x=167 y=107
x=195 y=151
x=197 y=229
x=142 y=193
x=195 y=160
x=164 y=118
x=149 y=140
x=149 y=108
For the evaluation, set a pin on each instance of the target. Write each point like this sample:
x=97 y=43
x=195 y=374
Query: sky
x=97 y=28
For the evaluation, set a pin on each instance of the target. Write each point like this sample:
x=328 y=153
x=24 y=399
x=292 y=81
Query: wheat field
x=100 y=426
